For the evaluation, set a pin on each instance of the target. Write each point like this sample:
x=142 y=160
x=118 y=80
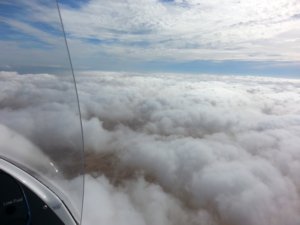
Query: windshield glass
x=190 y=108
x=40 y=127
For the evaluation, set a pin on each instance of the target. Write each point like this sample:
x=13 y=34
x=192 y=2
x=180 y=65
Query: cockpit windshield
x=189 y=109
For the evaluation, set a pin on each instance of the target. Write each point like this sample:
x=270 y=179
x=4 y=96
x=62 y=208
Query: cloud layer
x=193 y=29
x=105 y=32
x=170 y=149
x=223 y=145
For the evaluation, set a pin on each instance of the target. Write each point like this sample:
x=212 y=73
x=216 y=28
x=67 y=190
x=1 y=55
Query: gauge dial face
x=13 y=206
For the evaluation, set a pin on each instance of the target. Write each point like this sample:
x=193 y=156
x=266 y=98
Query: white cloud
x=219 y=144
x=169 y=149
x=151 y=30
x=16 y=147
x=137 y=203
x=245 y=30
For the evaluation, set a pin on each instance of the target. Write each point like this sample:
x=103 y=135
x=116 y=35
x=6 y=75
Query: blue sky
x=181 y=36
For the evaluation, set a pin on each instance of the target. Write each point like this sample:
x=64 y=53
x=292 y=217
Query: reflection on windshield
x=39 y=118
x=38 y=115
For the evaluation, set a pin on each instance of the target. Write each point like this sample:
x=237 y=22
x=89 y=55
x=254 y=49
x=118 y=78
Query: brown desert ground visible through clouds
x=167 y=149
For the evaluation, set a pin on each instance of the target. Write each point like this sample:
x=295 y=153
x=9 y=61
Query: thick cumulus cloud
x=169 y=149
